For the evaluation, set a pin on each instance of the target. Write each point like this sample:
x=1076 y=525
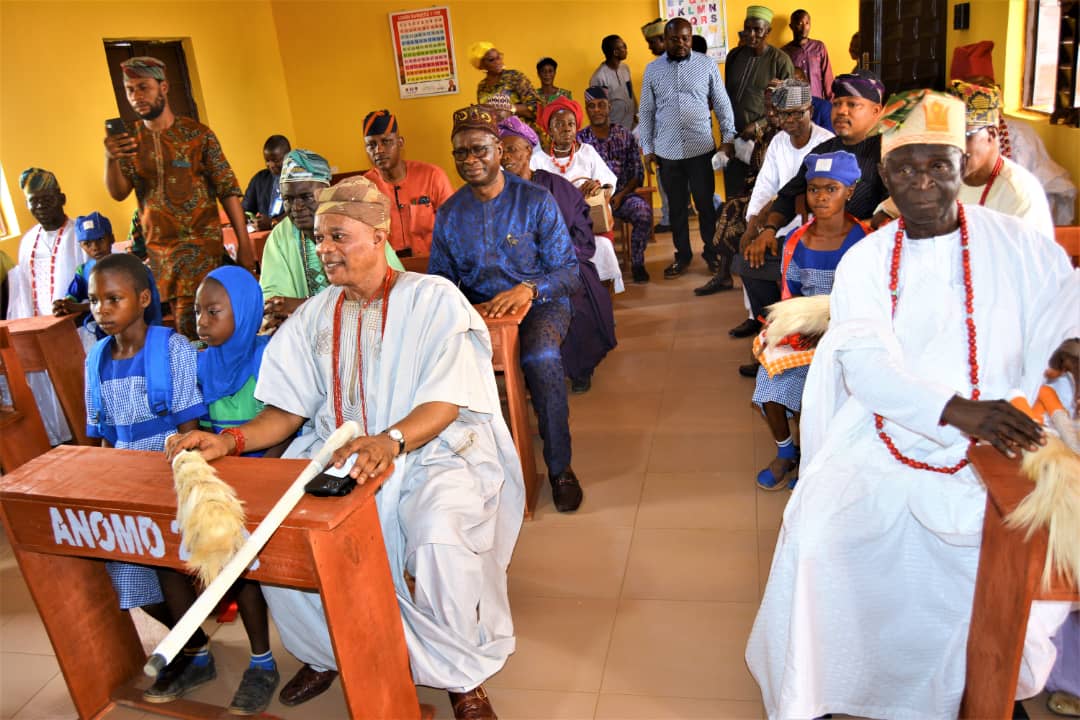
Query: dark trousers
x=697 y=173
x=542 y=332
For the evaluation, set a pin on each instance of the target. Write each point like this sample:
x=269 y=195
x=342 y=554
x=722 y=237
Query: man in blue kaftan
x=504 y=242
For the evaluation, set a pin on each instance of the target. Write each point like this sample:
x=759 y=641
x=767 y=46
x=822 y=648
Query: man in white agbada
x=425 y=391
x=48 y=256
x=869 y=597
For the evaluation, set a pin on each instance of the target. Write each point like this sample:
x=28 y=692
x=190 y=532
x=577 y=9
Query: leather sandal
x=306 y=684
x=473 y=705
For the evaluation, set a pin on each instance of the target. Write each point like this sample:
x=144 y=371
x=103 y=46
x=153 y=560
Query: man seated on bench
x=407 y=357
x=503 y=241
x=870 y=593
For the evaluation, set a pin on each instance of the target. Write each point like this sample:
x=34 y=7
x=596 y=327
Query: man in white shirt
x=48 y=256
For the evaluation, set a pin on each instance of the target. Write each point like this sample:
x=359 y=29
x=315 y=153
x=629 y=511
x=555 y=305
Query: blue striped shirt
x=676 y=99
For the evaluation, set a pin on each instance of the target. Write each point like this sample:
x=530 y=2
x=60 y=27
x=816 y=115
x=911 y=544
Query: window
x=8 y=224
x=1051 y=78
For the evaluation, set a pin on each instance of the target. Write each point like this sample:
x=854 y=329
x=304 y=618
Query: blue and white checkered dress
x=809 y=273
x=125 y=403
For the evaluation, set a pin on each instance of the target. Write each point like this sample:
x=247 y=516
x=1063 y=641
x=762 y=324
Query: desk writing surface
x=139 y=481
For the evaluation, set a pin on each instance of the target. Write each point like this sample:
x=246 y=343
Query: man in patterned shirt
x=678 y=91
x=178 y=171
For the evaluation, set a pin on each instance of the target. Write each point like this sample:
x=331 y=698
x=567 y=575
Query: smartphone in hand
x=115 y=126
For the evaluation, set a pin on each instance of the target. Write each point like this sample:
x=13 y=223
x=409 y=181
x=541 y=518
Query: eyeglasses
x=791 y=114
x=480 y=152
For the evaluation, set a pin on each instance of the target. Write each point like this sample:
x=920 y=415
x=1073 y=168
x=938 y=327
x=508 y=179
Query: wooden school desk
x=70 y=508
x=52 y=343
x=1009 y=578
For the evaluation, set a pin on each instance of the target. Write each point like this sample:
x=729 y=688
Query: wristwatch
x=769 y=226
x=395 y=435
x=532 y=286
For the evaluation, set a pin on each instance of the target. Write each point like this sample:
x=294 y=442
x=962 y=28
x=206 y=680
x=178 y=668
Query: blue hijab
x=224 y=369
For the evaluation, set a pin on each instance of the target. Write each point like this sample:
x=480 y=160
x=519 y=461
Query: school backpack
x=158 y=366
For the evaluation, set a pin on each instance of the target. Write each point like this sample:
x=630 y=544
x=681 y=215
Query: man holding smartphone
x=178 y=171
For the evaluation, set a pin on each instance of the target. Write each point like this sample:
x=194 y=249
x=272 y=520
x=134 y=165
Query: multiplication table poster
x=424 y=52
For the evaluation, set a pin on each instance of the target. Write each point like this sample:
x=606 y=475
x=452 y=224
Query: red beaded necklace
x=973 y=364
x=52 y=265
x=339 y=414
x=993 y=176
x=569 y=159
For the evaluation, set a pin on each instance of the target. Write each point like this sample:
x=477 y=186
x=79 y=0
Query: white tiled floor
x=636 y=607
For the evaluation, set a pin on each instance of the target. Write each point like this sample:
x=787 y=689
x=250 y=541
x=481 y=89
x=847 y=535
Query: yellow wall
x=57 y=93
x=339 y=66
x=1004 y=22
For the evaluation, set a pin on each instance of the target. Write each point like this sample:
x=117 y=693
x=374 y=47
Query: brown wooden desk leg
x=95 y=641
x=1005 y=586
x=365 y=622
x=64 y=356
x=519 y=416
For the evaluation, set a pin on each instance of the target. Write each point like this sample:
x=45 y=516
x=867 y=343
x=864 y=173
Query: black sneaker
x=662 y=228
x=179 y=678
x=255 y=692
x=639 y=273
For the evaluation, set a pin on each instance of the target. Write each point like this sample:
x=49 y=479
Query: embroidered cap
x=922 y=117
x=358 y=198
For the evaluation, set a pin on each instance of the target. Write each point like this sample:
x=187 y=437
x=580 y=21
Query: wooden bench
x=52 y=344
x=22 y=433
x=1068 y=237
x=1009 y=578
x=61 y=527
x=506 y=358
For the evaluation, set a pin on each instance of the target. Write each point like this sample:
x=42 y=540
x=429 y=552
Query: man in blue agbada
x=504 y=242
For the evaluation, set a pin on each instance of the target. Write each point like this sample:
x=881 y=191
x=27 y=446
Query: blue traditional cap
x=92 y=227
x=596 y=92
x=840 y=166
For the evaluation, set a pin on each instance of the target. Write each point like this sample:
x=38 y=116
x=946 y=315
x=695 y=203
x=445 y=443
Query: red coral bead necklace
x=969 y=321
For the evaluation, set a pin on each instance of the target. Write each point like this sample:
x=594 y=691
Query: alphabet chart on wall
x=708 y=18
x=424 y=52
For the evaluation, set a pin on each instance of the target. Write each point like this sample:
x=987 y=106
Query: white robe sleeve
x=872 y=364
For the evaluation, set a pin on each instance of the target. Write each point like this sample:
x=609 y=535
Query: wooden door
x=169 y=52
x=903 y=41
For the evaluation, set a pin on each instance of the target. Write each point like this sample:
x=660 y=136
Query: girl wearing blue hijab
x=228 y=313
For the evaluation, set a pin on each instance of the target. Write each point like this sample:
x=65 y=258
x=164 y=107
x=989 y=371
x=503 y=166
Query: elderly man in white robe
x=869 y=597
x=408 y=357
x=48 y=256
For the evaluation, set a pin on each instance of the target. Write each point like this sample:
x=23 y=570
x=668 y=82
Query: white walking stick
x=168 y=648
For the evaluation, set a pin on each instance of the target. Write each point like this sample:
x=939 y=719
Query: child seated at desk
x=228 y=313
x=137 y=367
x=95 y=236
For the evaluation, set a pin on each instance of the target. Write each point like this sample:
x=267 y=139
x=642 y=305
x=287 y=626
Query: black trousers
x=697 y=173
x=762 y=284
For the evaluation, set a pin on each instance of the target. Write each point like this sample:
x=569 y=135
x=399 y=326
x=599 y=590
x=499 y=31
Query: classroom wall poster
x=424 y=52
x=708 y=18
